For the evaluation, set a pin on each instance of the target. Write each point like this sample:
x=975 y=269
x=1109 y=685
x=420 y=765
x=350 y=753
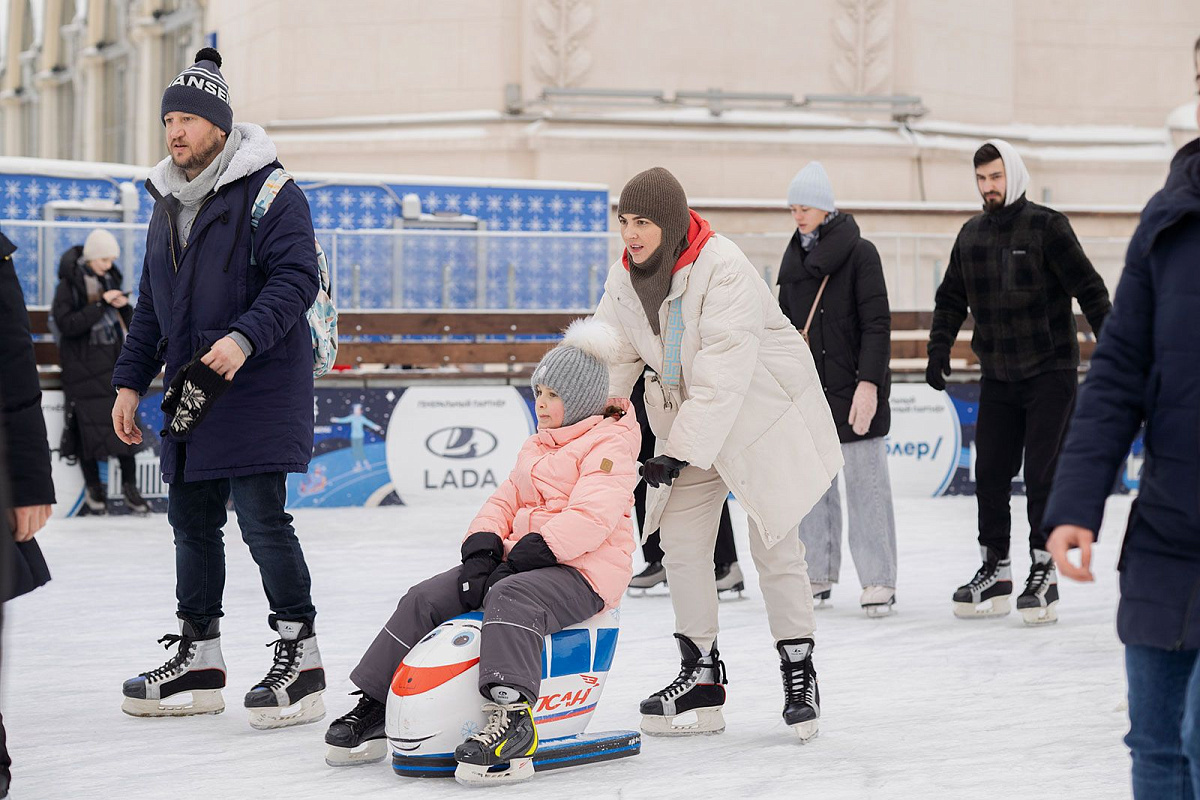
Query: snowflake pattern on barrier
x=369 y=271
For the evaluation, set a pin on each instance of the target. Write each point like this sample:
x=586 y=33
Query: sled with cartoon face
x=434 y=702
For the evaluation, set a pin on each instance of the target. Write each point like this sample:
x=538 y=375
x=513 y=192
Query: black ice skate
x=1038 y=604
x=822 y=592
x=801 y=697
x=290 y=694
x=95 y=499
x=697 y=695
x=510 y=736
x=193 y=677
x=133 y=499
x=729 y=579
x=653 y=575
x=988 y=593
x=357 y=737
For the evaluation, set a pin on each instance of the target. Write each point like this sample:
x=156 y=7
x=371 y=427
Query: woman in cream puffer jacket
x=739 y=408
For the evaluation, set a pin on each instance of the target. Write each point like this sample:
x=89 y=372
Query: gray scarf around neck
x=809 y=240
x=191 y=194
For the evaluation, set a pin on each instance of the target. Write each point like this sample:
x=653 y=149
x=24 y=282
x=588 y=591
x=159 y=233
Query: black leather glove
x=531 y=552
x=661 y=470
x=482 y=553
x=937 y=369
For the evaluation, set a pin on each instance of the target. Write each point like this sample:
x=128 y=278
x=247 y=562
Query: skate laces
x=284 y=667
x=689 y=676
x=367 y=708
x=985 y=575
x=799 y=681
x=1039 y=577
x=497 y=724
x=174 y=663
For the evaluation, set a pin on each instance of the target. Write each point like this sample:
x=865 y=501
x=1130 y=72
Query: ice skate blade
x=1040 y=616
x=203 y=701
x=879 y=610
x=311 y=708
x=369 y=752
x=728 y=594
x=806 y=731
x=994 y=607
x=519 y=769
x=708 y=721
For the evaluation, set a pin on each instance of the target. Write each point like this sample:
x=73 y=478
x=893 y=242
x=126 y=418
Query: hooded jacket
x=750 y=402
x=1145 y=369
x=191 y=296
x=1015 y=270
x=88 y=360
x=851 y=333
x=574 y=486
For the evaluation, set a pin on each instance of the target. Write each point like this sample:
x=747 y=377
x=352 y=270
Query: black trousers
x=91 y=470
x=725 y=551
x=1027 y=417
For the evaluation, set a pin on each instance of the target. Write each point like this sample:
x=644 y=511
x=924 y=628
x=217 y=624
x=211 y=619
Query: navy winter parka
x=1147 y=368
x=191 y=296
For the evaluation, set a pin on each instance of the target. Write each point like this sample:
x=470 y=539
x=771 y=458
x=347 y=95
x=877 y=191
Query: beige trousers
x=689 y=529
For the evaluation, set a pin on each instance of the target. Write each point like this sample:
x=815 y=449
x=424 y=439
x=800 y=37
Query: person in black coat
x=725 y=560
x=26 y=488
x=92 y=315
x=831 y=287
x=1145 y=370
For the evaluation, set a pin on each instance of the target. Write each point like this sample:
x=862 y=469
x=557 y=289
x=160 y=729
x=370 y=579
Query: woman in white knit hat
x=831 y=287
x=91 y=314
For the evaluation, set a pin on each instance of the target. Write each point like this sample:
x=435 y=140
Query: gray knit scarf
x=809 y=240
x=192 y=194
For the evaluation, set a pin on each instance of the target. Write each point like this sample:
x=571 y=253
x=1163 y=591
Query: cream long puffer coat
x=750 y=403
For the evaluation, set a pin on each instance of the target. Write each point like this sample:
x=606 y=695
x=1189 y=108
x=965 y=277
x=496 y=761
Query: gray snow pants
x=518 y=612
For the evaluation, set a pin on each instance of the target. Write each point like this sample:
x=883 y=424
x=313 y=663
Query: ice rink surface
x=919 y=705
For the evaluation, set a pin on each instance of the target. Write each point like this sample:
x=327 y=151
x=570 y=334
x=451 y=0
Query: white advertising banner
x=454 y=444
x=925 y=441
x=68 y=480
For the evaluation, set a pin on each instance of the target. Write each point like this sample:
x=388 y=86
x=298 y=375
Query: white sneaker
x=877 y=601
x=821 y=593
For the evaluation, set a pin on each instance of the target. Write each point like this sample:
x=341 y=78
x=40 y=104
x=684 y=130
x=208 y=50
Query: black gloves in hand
x=482 y=553
x=937 y=369
x=661 y=470
x=192 y=392
x=531 y=552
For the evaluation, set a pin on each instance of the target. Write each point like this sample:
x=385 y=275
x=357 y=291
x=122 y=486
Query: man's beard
x=201 y=158
x=994 y=203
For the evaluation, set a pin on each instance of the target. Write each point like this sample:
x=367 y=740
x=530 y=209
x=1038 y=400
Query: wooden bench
x=428 y=342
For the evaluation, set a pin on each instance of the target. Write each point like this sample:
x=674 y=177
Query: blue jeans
x=196 y=511
x=1164 y=715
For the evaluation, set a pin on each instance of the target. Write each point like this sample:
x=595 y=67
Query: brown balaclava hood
x=657 y=196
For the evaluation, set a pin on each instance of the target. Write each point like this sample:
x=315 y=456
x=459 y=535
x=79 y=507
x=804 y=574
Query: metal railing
x=482 y=270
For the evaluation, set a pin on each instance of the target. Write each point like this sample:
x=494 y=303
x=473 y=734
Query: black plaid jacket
x=1016 y=270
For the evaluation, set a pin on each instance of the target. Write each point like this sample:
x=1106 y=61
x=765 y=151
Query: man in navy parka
x=200 y=289
x=1146 y=368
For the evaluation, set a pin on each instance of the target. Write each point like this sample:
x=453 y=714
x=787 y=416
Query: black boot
x=801 y=697
x=699 y=687
x=363 y=725
x=96 y=499
x=133 y=498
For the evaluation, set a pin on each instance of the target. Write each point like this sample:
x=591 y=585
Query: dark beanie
x=656 y=195
x=201 y=90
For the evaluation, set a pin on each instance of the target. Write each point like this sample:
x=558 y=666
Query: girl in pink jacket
x=551 y=547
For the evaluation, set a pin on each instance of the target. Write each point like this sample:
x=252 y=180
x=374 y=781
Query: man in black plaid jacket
x=1015 y=267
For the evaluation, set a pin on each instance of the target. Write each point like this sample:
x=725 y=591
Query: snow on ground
x=920 y=705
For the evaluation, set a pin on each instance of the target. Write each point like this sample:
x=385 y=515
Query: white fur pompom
x=593 y=337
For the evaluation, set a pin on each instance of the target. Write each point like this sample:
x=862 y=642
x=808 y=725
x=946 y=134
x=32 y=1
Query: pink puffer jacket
x=574 y=486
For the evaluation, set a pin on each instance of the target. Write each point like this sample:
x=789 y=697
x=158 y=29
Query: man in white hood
x=1015 y=267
